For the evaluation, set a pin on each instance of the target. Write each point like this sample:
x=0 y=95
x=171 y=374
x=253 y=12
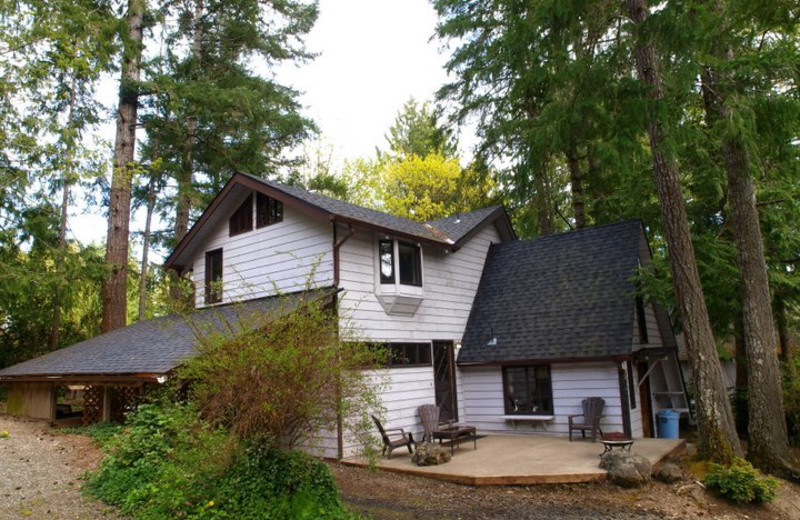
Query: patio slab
x=523 y=460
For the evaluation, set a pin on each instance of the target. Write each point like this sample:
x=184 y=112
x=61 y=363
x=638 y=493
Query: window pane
x=213 y=293
x=528 y=390
x=386 y=261
x=409 y=264
x=409 y=354
x=242 y=219
x=268 y=210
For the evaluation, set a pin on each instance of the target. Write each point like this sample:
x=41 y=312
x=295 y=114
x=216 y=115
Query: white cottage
x=503 y=334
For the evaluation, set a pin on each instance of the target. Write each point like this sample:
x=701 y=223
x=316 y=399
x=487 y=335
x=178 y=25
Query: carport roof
x=148 y=349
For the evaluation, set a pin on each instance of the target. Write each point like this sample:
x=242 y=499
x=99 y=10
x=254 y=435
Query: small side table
x=613 y=440
x=455 y=434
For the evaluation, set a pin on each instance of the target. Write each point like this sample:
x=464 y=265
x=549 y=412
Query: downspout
x=337 y=244
x=624 y=401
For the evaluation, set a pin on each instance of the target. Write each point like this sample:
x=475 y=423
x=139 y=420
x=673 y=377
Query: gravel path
x=40 y=473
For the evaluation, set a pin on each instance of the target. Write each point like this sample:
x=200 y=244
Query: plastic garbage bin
x=668 y=421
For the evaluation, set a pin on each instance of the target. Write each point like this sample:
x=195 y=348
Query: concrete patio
x=522 y=460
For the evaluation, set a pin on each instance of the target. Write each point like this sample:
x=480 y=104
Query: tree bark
x=783 y=329
x=186 y=175
x=151 y=204
x=576 y=186
x=55 y=328
x=718 y=440
x=768 y=440
x=545 y=216
x=115 y=308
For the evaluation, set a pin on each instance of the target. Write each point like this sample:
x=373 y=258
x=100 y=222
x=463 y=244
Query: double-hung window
x=528 y=390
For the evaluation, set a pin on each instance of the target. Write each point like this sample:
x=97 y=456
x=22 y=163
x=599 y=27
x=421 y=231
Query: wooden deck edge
x=491 y=480
x=677 y=451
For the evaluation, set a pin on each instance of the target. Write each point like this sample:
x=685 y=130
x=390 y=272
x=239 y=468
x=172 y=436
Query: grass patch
x=100 y=433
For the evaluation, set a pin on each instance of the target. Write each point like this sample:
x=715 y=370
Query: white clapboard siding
x=279 y=257
x=449 y=285
x=483 y=403
x=637 y=430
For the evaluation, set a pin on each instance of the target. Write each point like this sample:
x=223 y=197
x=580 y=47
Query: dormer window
x=242 y=219
x=399 y=257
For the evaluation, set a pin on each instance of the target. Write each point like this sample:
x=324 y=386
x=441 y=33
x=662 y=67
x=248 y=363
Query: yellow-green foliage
x=741 y=482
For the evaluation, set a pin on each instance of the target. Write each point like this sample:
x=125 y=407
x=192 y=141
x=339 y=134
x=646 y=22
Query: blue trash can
x=668 y=421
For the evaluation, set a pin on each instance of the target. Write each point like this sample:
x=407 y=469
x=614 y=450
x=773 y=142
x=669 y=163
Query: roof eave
x=547 y=360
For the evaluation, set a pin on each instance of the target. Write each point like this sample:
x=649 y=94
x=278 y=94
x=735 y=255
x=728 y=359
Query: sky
x=373 y=55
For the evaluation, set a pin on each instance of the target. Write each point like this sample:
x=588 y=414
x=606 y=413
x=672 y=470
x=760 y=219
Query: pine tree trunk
x=576 y=186
x=768 y=441
x=782 y=328
x=66 y=165
x=718 y=439
x=115 y=308
x=543 y=200
x=151 y=204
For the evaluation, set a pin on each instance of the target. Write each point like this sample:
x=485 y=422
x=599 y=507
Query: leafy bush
x=741 y=482
x=288 y=376
x=169 y=463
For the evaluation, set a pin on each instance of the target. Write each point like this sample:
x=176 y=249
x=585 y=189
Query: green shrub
x=741 y=482
x=169 y=463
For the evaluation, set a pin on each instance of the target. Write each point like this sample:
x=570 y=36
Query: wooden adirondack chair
x=429 y=415
x=393 y=438
x=592 y=411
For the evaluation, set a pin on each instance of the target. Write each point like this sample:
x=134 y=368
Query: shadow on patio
x=516 y=459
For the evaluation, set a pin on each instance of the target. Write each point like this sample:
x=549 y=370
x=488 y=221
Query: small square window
x=268 y=211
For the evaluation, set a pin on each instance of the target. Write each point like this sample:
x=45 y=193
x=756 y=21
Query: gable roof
x=449 y=232
x=560 y=297
x=147 y=349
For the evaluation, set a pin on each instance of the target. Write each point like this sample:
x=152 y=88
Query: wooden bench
x=533 y=419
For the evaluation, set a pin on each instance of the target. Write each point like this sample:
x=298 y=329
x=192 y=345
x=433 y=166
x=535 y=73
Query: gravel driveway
x=40 y=473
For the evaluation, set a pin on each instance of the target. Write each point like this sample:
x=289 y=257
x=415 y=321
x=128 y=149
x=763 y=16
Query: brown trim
x=82 y=378
x=625 y=401
x=337 y=244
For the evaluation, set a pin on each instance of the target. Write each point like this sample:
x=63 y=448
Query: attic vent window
x=242 y=219
x=268 y=211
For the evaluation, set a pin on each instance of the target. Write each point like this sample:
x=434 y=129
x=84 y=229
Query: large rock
x=669 y=472
x=428 y=454
x=626 y=469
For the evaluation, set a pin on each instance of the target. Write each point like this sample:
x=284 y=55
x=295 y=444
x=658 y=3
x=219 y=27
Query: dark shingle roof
x=445 y=230
x=152 y=346
x=558 y=297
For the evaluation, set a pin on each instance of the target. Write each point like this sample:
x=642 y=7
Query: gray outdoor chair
x=429 y=415
x=590 y=419
x=394 y=438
